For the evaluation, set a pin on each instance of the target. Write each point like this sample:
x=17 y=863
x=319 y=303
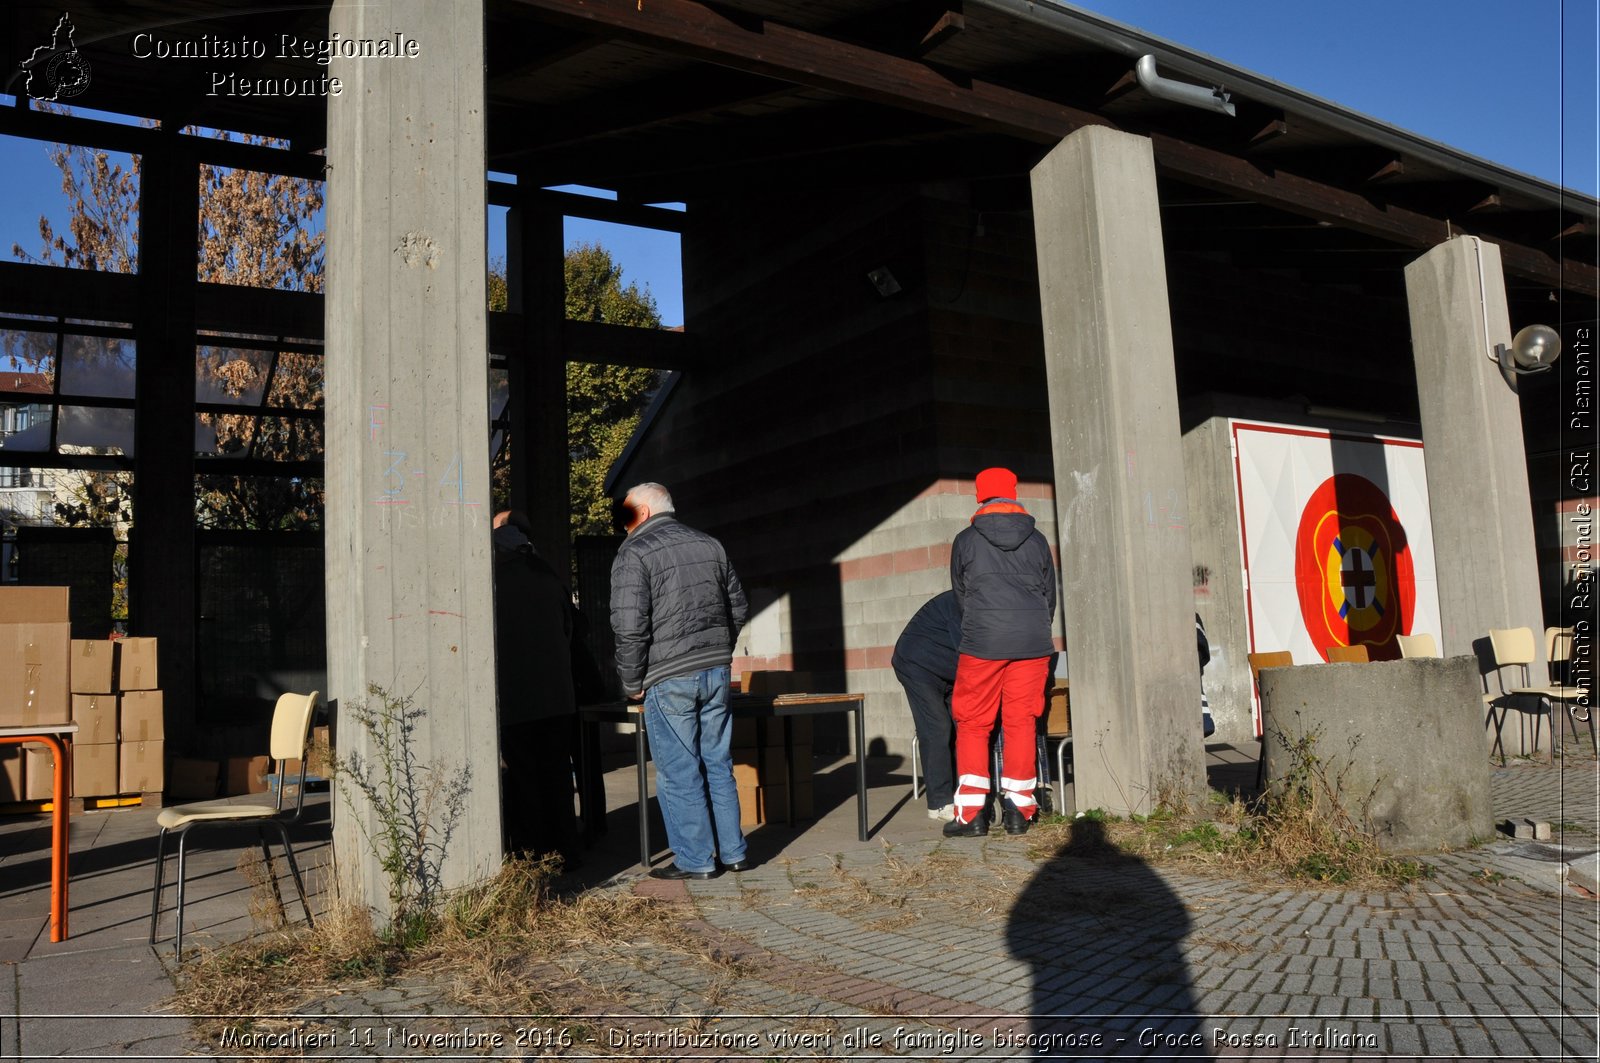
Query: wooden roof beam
x=690 y=28
x=945 y=27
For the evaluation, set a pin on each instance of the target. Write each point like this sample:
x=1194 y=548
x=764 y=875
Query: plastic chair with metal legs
x=291 y=730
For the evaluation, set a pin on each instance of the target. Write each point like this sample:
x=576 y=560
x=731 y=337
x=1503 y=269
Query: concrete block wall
x=832 y=438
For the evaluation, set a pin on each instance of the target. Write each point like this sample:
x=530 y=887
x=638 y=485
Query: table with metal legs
x=760 y=707
x=55 y=736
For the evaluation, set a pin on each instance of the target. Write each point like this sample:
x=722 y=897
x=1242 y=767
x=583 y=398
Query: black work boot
x=977 y=828
x=1013 y=820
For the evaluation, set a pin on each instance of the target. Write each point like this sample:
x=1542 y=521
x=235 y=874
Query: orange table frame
x=55 y=736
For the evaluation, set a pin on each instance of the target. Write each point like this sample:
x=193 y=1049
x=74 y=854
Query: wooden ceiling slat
x=696 y=30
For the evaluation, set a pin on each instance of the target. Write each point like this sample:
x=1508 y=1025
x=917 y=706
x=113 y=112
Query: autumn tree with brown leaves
x=255 y=230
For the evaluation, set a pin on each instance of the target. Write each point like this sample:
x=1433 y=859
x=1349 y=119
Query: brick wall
x=832 y=443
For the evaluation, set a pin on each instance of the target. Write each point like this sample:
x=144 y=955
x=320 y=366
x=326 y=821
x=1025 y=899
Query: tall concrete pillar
x=1472 y=433
x=1120 y=488
x=408 y=554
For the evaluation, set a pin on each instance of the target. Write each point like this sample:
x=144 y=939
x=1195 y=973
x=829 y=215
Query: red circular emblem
x=1352 y=568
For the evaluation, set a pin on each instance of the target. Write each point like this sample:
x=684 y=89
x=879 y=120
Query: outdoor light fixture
x=884 y=281
x=1532 y=350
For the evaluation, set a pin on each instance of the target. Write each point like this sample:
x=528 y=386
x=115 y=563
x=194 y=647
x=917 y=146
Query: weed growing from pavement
x=417 y=807
x=1310 y=827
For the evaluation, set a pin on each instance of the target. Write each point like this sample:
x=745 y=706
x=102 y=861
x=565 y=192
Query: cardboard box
x=39 y=772
x=246 y=775
x=757 y=767
x=35 y=652
x=191 y=779
x=142 y=716
x=772 y=803
x=141 y=767
x=91 y=667
x=1057 y=720
x=748 y=731
x=136 y=664
x=321 y=750
x=94 y=769
x=96 y=717
x=11 y=785
x=749 y=805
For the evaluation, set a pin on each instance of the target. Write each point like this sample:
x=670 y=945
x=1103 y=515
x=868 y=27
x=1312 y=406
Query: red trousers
x=1015 y=691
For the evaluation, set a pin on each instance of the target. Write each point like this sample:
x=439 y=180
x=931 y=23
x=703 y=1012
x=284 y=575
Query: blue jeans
x=686 y=720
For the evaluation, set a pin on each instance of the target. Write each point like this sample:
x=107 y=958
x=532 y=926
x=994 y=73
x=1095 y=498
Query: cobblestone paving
x=962 y=947
x=975 y=949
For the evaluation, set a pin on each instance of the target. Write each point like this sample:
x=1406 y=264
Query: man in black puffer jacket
x=676 y=608
x=1005 y=580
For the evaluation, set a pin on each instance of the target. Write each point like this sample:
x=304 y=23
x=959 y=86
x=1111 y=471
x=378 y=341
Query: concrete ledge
x=1409 y=733
x=1585 y=872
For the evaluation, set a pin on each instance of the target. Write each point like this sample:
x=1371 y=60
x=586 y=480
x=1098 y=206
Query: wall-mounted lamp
x=1532 y=350
x=884 y=281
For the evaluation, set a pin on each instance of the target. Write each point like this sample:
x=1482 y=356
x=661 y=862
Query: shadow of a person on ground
x=1103 y=933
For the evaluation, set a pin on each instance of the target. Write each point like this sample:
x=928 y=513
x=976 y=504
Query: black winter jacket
x=931 y=638
x=532 y=632
x=1000 y=569
x=676 y=603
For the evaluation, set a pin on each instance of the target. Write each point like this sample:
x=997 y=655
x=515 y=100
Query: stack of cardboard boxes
x=763 y=776
x=117 y=705
x=759 y=768
x=34 y=636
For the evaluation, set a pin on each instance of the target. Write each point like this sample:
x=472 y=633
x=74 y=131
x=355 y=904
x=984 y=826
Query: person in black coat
x=533 y=681
x=925 y=663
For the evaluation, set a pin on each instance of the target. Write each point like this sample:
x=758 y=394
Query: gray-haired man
x=676 y=608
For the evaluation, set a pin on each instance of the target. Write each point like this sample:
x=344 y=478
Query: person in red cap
x=1005 y=580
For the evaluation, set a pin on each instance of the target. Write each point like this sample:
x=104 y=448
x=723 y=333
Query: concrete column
x=1120 y=488
x=408 y=553
x=1472 y=432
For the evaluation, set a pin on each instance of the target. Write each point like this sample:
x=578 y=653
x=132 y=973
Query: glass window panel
x=95 y=430
x=101 y=366
x=278 y=248
x=27 y=360
x=499 y=393
x=223 y=435
x=231 y=375
x=25 y=426
x=97 y=321
x=259 y=503
x=297 y=382
x=288 y=439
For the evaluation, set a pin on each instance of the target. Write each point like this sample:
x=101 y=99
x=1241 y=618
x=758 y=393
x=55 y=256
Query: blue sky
x=1511 y=81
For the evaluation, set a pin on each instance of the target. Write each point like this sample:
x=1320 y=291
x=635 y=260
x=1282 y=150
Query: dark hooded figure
x=532 y=633
x=1005 y=580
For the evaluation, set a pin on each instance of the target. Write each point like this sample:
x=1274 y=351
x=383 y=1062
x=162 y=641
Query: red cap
x=996 y=483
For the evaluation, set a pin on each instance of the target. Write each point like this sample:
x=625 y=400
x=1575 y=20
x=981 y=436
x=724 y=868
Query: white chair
x=291 y=730
x=1558 y=656
x=1421 y=645
x=1514 y=648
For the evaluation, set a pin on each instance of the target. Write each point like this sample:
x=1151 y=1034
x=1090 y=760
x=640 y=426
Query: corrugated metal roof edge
x=1133 y=42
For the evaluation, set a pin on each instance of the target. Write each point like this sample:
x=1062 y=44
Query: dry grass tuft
x=1309 y=828
x=488 y=940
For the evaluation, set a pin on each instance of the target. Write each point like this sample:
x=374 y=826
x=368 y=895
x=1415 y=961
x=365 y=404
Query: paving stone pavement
x=921 y=947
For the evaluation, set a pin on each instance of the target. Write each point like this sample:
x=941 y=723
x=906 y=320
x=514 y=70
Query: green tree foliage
x=604 y=402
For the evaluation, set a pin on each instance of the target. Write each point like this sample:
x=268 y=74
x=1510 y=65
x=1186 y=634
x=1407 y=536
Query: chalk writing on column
x=402 y=480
